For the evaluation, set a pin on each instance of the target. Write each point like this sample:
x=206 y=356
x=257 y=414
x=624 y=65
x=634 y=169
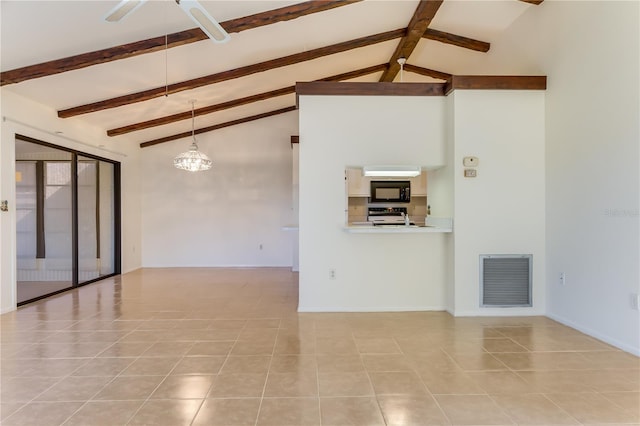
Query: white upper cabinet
x=419 y=185
x=360 y=186
x=357 y=185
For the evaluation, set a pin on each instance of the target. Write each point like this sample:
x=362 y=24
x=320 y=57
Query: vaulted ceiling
x=135 y=78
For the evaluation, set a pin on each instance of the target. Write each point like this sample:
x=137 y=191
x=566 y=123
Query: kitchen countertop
x=434 y=225
x=399 y=229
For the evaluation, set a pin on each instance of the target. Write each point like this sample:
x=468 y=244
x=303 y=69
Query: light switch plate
x=470 y=173
x=470 y=161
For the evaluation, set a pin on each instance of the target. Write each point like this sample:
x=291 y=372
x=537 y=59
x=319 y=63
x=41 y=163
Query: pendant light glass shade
x=193 y=160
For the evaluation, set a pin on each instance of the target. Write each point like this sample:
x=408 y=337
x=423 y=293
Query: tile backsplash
x=358 y=206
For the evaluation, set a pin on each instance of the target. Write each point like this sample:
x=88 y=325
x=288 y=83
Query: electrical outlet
x=332 y=274
x=563 y=278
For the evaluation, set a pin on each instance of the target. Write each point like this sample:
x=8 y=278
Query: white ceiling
x=37 y=31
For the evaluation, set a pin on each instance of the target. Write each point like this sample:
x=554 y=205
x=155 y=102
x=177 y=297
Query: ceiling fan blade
x=122 y=9
x=205 y=21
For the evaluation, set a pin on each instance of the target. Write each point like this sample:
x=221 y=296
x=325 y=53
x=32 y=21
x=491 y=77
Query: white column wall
x=23 y=116
x=440 y=193
x=502 y=210
x=372 y=272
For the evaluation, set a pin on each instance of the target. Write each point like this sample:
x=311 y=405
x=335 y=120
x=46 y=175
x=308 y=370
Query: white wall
x=295 y=205
x=221 y=217
x=502 y=210
x=373 y=271
x=28 y=118
x=440 y=197
x=591 y=53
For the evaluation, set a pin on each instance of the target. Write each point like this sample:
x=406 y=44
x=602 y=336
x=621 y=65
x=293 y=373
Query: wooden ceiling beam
x=457 y=82
x=369 y=89
x=456 y=40
x=218 y=126
x=496 y=82
x=426 y=71
x=200 y=111
x=159 y=43
x=236 y=102
x=232 y=74
x=418 y=25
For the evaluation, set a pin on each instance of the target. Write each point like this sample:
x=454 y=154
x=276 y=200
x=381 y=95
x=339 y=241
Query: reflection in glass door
x=95 y=219
x=44 y=227
x=66 y=219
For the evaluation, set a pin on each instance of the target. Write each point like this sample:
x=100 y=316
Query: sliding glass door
x=67 y=219
x=96 y=219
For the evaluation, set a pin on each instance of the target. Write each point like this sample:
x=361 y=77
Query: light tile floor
x=227 y=347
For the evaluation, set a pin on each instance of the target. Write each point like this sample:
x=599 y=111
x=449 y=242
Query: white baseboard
x=372 y=309
x=493 y=312
x=130 y=270
x=153 y=266
x=586 y=330
x=7 y=310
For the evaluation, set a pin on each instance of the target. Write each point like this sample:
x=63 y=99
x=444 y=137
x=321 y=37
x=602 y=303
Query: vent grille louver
x=505 y=280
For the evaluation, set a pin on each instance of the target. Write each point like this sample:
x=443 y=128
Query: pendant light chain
x=166 y=65
x=166 y=53
x=193 y=121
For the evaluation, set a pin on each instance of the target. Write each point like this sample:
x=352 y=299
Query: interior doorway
x=68 y=219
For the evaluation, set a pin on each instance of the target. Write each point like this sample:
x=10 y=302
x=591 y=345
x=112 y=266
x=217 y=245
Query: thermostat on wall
x=470 y=161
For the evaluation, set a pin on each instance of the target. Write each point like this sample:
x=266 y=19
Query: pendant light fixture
x=192 y=160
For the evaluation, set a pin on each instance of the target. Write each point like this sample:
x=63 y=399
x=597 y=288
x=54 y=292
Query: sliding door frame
x=117 y=213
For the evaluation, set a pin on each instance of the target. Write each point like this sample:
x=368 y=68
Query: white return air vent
x=505 y=280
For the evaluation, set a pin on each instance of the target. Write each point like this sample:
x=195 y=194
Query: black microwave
x=390 y=191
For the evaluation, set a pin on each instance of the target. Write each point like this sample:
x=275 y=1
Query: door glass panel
x=95 y=219
x=44 y=225
x=26 y=212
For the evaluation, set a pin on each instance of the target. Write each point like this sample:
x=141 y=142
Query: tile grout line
x=135 y=413
x=562 y=409
x=266 y=379
x=213 y=381
x=113 y=378
x=433 y=395
x=315 y=355
x=65 y=377
x=375 y=395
